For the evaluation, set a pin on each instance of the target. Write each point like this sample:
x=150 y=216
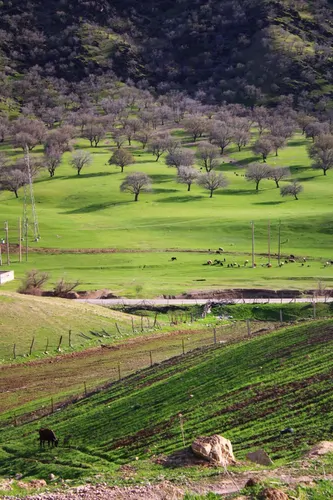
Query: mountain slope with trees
x=248 y=51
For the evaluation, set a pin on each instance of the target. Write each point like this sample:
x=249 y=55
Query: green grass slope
x=248 y=392
x=45 y=319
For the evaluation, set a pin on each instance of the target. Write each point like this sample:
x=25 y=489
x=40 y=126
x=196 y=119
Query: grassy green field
x=90 y=212
x=247 y=391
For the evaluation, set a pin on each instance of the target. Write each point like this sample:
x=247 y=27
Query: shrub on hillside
x=33 y=282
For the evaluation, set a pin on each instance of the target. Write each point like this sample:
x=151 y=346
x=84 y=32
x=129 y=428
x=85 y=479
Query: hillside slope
x=24 y=317
x=234 y=50
x=248 y=392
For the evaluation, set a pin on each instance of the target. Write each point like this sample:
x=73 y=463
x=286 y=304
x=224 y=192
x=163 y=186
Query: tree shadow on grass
x=238 y=191
x=159 y=178
x=88 y=176
x=180 y=199
x=95 y=207
x=164 y=191
x=268 y=203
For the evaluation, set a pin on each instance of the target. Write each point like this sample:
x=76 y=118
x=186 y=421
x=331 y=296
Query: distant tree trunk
x=136 y=197
x=15 y=191
x=257 y=185
x=211 y=193
x=188 y=187
x=122 y=168
x=277 y=183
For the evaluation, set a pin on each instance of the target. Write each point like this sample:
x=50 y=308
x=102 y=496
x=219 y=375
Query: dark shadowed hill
x=235 y=50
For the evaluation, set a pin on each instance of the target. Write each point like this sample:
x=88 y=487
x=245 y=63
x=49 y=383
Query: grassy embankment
x=248 y=392
x=90 y=212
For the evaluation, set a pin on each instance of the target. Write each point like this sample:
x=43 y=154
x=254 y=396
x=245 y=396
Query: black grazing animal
x=287 y=430
x=49 y=436
x=173 y=258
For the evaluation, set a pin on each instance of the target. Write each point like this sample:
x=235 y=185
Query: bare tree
x=256 y=172
x=261 y=117
x=263 y=146
x=122 y=158
x=4 y=128
x=12 y=179
x=212 y=181
x=159 y=144
x=304 y=120
x=143 y=136
x=315 y=129
x=135 y=183
x=208 y=155
x=80 y=159
x=94 y=132
x=180 y=157
x=60 y=139
x=241 y=138
x=187 y=175
x=28 y=133
x=119 y=137
x=221 y=134
x=196 y=125
x=52 y=159
x=292 y=189
x=279 y=173
x=33 y=282
x=278 y=142
x=321 y=151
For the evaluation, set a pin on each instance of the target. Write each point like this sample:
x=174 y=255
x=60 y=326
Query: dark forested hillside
x=248 y=51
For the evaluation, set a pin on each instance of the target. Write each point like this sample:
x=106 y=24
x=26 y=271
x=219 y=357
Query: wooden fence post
x=14 y=351
x=132 y=325
x=31 y=345
x=281 y=316
x=70 y=338
x=155 y=319
x=60 y=340
x=151 y=358
x=119 y=372
x=183 y=346
x=214 y=329
x=52 y=406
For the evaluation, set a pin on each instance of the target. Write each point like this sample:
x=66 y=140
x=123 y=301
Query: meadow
x=247 y=391
x=89 y=212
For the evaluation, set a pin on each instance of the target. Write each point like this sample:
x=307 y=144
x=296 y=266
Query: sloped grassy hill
x=24 y=317
x=248 y=392
x=235 y=49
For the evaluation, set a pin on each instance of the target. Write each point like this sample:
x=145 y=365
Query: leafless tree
x=278 y=142
x=28 y=133
x=94 y=132
x=208 y=155
x=263 y=146
x=256 y=172
x=80 y=159
x=135 y=183
x=180 y=157
x=159 y=144
x=279 y=173
x=64 y=287
x=52 y=159
x=241 y=138
x=321 y=152
x=261 y=117
x=292 y=189
x=119 y=137
x=4 y=127
x=122 y=158
x=60 y=139
x=187 y=175
x=212 y=181
x=143 y=136
x=196 y=125
x=33 y=282
x=304 y=120
x=221 y=134
x=315 y=129
x=12 y=179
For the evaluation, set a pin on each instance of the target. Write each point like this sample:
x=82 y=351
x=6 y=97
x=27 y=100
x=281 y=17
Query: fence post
x=248 y=327
x=118 y=329
x=151 y=358
x=183 y=346
x=155 y=319
x=119 y=372
x=142 y=323
x=314 y=310
x=52 y=406
x=60 y=340
x=31 y=345
x=214 y=329
x=14 y=351
x=132 y=325
x=85 y=388
x=70 y=338
x=281 y=316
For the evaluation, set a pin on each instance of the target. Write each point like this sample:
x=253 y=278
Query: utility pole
x=253 y=263
x=279 y=243
x=7 y=243
x=0 y=255
x=26 y=238
x=269 y=241
x=20 y=239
